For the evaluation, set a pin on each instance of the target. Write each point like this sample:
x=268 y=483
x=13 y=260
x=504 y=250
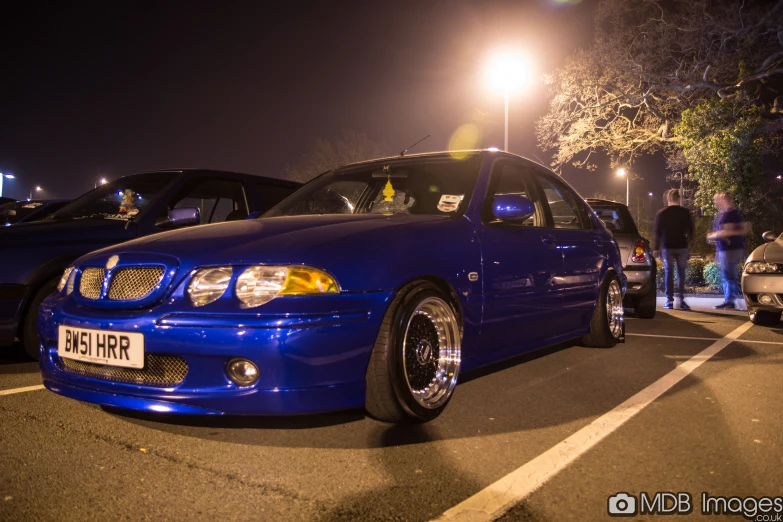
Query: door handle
x=548 y=240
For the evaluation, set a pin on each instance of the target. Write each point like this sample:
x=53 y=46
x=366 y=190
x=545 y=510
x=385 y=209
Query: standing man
x=673 y=232
x=729 y=238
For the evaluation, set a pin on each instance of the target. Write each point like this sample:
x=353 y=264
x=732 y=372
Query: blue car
x=28 y=211
x=35 y=254
x=373 y=286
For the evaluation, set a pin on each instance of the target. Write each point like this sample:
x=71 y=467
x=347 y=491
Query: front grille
x=91 y=283
x=128 y=284
x=159 y=370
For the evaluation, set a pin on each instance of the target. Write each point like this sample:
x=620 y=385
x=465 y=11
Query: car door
x=583 y=250
x=520 y=261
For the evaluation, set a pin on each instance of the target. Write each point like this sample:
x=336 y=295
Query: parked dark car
x=28 y=211
x=638 y=263
x=4 y=200
x=374 y=285
x=34 y=255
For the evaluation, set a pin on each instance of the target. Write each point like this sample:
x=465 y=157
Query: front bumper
x=312 y=353
x=756 y=285
x=12 y=301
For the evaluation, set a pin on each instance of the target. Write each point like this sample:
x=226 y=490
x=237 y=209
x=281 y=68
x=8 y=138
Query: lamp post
x=508 y=72
x=623 y=173
x=37 y=189
x=7 y=175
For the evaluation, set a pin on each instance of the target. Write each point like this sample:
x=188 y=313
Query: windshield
x=435 y=186
x=10 y=213
x=121 y=199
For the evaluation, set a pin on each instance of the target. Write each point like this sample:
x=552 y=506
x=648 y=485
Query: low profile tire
x=415 y=362
x=606 y=325
x=30 y=327
x=645 y=305
x=765 y=318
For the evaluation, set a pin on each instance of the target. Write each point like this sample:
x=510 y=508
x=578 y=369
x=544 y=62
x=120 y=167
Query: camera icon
x=622 y=505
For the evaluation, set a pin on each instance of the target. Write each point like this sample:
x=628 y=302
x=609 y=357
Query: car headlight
x=208 y=284
x=260 y=284
x=760 y=267
x=64 y=280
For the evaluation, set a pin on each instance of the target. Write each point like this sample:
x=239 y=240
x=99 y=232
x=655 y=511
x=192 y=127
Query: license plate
x=124 y=349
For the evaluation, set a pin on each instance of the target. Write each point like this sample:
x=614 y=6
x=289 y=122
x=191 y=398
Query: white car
x=762 y=281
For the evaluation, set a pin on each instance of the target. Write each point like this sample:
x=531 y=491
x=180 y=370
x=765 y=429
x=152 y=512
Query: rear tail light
x=638 y=252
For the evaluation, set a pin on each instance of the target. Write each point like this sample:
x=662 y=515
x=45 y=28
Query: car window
x=566 y=211
x=271 y=195
x=512 y=178
x=12 y=212
x=218 y=200
x=616 y=218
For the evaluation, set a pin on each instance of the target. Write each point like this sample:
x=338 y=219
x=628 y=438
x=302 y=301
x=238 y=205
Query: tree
x=651 y=62
x=326 y=155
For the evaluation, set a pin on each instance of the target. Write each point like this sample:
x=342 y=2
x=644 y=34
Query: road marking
x=494 y=500
x=702 y=338
x=676 y=337
x=22 y=390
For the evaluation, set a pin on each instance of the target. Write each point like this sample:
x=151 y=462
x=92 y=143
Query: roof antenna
x=409 y=148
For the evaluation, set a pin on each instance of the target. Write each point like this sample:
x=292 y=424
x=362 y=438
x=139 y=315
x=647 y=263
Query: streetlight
x=650 y=194
x=101 y=181
x=37 y=189
x=508 y=72
x=7 y=175
x=622 y=173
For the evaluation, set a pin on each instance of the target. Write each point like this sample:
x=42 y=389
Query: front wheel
x=30 y=326
x=607 y=326
x=765 y=317
x=415 y=362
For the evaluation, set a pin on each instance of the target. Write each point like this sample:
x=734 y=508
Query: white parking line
x=702 y=338
x=22 y=390
x=497 y=498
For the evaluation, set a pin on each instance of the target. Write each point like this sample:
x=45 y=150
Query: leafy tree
x=326 y=155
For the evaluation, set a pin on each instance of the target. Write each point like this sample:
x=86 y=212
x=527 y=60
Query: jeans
x=675 y=258
x=728 y=260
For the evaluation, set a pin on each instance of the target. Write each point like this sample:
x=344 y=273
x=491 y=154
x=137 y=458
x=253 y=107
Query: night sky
x=110 y=89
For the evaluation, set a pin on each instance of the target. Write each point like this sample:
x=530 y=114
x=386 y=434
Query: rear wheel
x=645 y=304
x=30 y=326
x=765 y=317
x=608 y=322
x=415 y=362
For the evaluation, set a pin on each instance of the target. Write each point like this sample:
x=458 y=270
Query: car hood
x=773 y=253
x=56 y=232
x=290 y=239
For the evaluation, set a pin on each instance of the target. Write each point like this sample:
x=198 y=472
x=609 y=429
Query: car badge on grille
x=112 y=262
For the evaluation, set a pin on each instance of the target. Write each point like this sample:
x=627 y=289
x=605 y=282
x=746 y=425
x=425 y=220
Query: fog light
x=242 y=372
x=765 y=299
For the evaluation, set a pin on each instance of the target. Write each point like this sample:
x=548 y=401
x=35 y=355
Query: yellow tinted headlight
x=260 y=284
x=306 y=280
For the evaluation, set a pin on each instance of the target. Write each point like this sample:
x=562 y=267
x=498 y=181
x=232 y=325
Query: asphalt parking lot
x=690 y=403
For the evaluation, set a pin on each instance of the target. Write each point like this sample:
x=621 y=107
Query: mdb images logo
x=661 y=503
x=622 y=505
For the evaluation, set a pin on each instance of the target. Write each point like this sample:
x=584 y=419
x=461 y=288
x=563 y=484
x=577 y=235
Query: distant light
x=119 y=193
x=495 y=149
x=103 y=181
x=650 y=194
x=38 y=188
x=780 y=176
x=621 y=172
x=11 y=176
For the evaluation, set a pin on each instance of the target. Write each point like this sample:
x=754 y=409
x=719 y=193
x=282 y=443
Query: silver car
x=762 y=281
x=638 y=263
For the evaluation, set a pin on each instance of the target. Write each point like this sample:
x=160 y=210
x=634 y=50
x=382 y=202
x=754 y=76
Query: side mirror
x=512 y=207
x=181 y=217
x=254 y=215
x=769 y=236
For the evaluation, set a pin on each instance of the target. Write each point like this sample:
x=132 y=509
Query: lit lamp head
x=621 y=172
x=508 y=71
x=104 y=181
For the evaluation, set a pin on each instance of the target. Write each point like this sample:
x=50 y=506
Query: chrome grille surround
x=159 y=371
x=91 y=283
x=132 y=283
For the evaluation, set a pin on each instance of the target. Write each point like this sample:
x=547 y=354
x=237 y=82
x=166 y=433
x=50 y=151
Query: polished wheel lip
x=442 y=317
x=614 y=309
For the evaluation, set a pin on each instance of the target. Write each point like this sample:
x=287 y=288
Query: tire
x=645 y=305
x=405 y=385
x=603 y=332
x=30 y=326
x=765 y=317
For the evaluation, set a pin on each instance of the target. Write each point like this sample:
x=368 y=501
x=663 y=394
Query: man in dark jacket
x=673 y=233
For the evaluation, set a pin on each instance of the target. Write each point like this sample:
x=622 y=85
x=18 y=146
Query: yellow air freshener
x=388 y=191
